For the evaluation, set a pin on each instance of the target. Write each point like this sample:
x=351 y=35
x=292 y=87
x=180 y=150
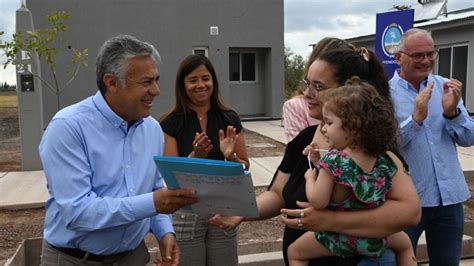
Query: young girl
x=356 y=173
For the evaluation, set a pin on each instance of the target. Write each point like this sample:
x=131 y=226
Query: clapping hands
x=201 y=145
x=227 y=142
x=451 y=95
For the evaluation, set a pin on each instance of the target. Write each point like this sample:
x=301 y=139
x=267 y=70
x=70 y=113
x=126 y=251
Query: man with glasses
x=432 y=120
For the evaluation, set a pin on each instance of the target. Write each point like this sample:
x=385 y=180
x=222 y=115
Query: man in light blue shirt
x=105 y=191
x=432 y=120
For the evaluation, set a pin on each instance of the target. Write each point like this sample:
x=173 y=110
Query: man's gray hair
x=403 y=40
x=114 y=54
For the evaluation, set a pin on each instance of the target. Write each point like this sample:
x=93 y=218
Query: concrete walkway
x=22 y=190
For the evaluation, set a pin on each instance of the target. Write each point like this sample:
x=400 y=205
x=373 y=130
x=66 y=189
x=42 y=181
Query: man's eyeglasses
x=420 y=56
x=312 y=87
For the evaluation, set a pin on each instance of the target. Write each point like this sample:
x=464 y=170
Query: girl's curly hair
x=366 y=115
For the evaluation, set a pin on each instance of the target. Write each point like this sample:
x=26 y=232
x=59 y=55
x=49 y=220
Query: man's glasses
x=418 y=57
x=312 y=87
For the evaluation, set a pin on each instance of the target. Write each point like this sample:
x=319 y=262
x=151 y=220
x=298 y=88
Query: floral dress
x=369 y=190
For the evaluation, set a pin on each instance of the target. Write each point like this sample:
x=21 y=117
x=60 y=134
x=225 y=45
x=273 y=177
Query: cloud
x=7 y=17
x=7 y=25
x=340 y=26
x=308 y=21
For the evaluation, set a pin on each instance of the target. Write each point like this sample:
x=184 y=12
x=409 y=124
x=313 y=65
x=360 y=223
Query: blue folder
x=223 y=187
x=170 y=164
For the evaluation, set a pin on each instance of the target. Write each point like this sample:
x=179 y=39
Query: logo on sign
x=391 y=38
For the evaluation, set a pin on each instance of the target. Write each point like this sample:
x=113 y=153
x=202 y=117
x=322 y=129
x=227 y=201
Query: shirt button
x=128 y=166
x=431 y=143
x=182 y=216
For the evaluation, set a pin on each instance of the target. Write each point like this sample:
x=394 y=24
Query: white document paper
x=227 y=195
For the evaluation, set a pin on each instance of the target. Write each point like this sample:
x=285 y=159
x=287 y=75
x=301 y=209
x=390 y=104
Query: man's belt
x=84 y=255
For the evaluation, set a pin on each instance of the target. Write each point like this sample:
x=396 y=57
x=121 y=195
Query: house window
x=242 y=66
x=452 y=64
x=202 y=50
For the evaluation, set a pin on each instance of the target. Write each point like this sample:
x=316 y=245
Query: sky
x=306 y=21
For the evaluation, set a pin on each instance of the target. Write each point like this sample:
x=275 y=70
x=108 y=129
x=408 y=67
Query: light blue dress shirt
x=430 y=148
x=100 y=176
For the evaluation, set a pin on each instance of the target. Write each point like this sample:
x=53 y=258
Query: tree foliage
x=46 y=43
x=7 y=87
x=294 y=69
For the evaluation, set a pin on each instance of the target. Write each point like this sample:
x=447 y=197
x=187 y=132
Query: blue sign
x=390 y=27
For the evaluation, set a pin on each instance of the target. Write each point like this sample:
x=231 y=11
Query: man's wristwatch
x=458 y=112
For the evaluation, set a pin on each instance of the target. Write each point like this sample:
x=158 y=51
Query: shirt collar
x=114 y=119
x=405 y=84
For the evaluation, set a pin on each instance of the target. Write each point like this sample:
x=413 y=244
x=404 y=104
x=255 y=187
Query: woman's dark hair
x=361 y=63
x=366 y=115
x=326 y=44
x=183 y=103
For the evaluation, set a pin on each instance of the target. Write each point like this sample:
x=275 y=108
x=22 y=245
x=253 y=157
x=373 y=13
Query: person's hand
x=421 y=104
x=201 y=145
x=307 y=218
x=309 y=148
x=225 y=222
x=310 y=175
x=227 y=142
x=451 y=95
x=169 y=251
x=314 y=152
x=169 y=201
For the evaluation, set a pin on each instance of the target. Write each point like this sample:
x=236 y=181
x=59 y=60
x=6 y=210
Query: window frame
x=451 y=47
x=240 y=52
x=205 y=48
x=451 y=61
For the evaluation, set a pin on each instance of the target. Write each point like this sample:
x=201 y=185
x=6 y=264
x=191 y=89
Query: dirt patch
x=261 y=146
x=10 y=155
x=16 y=226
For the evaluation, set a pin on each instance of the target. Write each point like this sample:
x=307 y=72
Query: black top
x=184 y=127
x=296 y=164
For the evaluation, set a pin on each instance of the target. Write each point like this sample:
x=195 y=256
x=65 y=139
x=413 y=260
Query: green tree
x=46 y=43
x=294 y=69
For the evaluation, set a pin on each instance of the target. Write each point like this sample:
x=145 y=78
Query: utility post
x=30 y=101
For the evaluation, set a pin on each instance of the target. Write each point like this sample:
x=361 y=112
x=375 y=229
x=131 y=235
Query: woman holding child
x=286 y=193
